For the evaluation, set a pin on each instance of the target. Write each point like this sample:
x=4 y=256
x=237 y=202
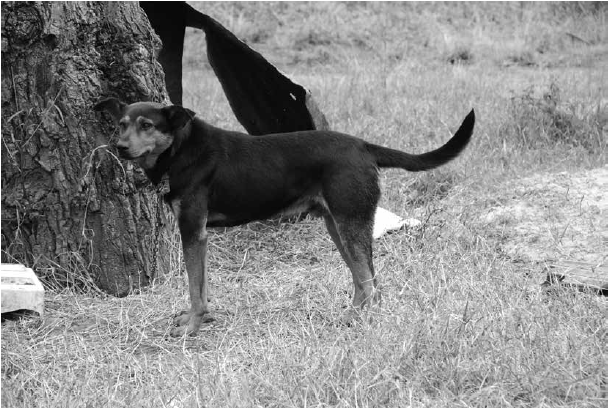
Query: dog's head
x=146 y=129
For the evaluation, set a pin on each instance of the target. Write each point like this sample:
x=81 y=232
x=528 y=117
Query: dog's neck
x=160 y=168
x=162 y=165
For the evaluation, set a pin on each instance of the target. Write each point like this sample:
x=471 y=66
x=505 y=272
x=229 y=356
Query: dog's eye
x=122 y=126
x=146 y=126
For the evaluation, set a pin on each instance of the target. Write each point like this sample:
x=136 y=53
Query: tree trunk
x=70 y=208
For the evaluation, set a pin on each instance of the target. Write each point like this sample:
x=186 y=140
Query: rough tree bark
x=70 y=209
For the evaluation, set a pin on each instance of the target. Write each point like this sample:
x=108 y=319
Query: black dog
x=222 y=178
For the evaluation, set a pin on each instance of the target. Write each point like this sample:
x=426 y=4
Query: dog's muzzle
x=123 y=152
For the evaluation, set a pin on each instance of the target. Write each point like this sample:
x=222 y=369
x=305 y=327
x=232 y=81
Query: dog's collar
x=159 y=173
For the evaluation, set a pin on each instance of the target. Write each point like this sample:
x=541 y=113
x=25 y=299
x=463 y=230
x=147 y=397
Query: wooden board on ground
x=579 y=274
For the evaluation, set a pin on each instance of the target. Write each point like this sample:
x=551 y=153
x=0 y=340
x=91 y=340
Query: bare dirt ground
x=550 y=217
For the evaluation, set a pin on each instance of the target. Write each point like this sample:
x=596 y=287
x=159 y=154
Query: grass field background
x=462 y=323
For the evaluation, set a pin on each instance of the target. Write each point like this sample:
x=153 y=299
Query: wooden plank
x=579 y=274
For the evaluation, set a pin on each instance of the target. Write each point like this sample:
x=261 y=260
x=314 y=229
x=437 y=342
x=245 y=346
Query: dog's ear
x=111 y=105
x=177 y=116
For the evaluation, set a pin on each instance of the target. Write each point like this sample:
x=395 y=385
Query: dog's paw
x=177 y=332
x=186 y=323
x=181 y=318
x=208 y=317
x=350 y=317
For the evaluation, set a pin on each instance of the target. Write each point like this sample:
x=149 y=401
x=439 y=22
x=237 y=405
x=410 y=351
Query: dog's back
x=258 y=177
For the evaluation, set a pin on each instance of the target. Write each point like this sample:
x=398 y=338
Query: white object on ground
x=20 y=289
x=385 y=221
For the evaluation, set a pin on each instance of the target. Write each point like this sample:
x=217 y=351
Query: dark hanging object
x=263 y=100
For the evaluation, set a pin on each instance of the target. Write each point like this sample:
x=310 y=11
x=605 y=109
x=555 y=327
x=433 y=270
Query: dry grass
x=461 y=323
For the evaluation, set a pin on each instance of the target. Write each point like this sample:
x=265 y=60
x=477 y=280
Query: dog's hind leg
x=356 y=239
x=335 y=236
x=360 y=286
x=350 y=225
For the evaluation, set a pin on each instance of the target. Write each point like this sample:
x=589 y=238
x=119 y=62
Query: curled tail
x=392 y=158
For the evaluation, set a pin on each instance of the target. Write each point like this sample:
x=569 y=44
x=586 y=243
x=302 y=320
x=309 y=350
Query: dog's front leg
x=194 y=242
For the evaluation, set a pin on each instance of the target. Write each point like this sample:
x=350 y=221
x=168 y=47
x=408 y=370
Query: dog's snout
x=123 y=150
